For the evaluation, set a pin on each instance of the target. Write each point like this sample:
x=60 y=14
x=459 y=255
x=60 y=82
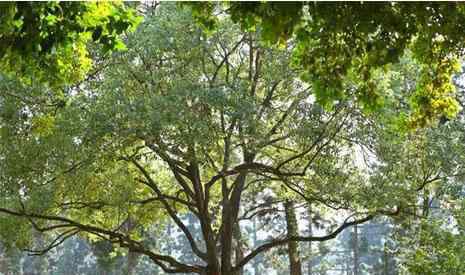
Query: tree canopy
x=216 y=130
x=343 y=47
x=47 y=41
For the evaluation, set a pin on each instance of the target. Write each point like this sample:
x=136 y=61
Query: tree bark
x=355 y=250
x=132 y=260
x=255 y=243
x=310 y=233
x=385 y=260
x=3 y=261
x=239 y=248
x=295 y=266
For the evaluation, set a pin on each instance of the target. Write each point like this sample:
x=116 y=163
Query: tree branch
x=116 y=237
x=152 y=184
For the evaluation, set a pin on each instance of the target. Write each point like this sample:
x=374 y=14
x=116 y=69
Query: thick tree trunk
x=230 y=212
x=239 y=249
x=212 y=272
x=295 y=266
x=226 y=238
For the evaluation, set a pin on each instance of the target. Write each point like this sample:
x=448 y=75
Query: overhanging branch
x=284 y=241
x=167 y=263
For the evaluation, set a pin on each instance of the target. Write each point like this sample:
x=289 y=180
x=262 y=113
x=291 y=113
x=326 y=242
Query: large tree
x=184 y=124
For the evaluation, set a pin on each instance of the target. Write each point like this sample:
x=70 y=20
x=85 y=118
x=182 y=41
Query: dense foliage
x=357 y=41
x=47 y=41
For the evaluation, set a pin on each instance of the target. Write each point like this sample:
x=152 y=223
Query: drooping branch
x=346 y=224
x=283 y=241
x=260 y=209
x=54 y=243
x=167 y=263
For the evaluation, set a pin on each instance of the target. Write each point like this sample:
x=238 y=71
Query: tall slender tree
x=295 y=265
